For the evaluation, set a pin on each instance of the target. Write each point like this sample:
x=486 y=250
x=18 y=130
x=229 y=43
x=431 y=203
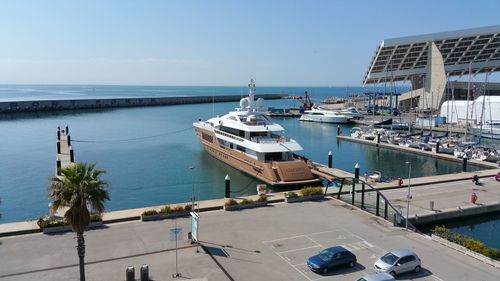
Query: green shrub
x=492 y=253
x=474 y=245
x=311 y=191
x=95 y=217
x=262 y=198
x=166 y=210
x=230 y=202
x=150 y=213
x=246 y=201
x=441 y=231
x=178 y=209
x=291 y=194
x=467 y=242
x=52 y=223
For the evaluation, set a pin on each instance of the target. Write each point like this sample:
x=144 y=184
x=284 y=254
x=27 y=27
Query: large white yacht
x=325 y=116
x=247 y=140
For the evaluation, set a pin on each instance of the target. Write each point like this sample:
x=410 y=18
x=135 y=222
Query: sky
x=214 y=43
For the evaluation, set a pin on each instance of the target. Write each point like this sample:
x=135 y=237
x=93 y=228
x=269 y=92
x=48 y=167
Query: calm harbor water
x=483 y=228
x=148 y=151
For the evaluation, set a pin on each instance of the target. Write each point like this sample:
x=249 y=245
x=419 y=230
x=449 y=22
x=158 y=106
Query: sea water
x=148 y=151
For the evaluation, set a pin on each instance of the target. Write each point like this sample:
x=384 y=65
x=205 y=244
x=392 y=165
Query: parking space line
x=293 y=250
x=297 y=236
x=314 y=241
x=303 y=274
x=285 y=238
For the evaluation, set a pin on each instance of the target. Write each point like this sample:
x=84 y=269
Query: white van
x=378 y=277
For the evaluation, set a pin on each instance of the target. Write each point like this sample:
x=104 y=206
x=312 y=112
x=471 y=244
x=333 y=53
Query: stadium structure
x=430 y=61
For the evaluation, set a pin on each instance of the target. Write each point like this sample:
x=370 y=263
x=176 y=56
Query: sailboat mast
x=468 y=95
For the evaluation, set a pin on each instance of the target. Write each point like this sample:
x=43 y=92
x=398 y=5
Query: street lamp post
x=192 y=187
x=408 y=196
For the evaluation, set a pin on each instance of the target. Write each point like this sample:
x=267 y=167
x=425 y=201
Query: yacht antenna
x=251 y=94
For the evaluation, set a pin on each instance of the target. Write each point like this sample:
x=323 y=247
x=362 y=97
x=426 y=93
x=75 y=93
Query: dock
x=98 y=103
x=483 y=164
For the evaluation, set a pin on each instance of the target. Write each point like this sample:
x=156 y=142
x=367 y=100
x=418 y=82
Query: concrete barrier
x=54 y=105
x=455 y=213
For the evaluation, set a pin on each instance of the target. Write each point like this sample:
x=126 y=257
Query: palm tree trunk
x=81 y=253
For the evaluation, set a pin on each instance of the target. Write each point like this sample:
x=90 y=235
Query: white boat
x=351 y=112
x=489 y=130
x=248 y=140
x=324 y=116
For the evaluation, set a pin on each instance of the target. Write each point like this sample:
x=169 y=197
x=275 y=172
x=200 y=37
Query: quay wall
x=455 y=213
x=70 y=104
x=442 y=156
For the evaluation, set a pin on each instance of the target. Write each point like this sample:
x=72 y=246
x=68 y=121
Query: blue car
x=330 y=258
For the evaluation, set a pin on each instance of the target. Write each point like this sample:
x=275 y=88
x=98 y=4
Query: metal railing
x=364 y=196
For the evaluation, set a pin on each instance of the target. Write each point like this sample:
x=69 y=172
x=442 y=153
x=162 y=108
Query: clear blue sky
x=280 y=43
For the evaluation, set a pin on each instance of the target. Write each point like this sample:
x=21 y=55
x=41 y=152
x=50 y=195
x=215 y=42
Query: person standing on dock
x=366 y=177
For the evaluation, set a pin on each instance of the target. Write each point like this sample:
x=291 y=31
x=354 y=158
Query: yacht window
x=258 y=134
x=274 y=156
x=316 y=113
x=240 y=148
x=232 y=118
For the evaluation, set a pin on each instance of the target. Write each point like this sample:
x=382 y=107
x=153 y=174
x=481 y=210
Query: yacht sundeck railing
x=270 y=139
x=256 y=123
x=364 y=196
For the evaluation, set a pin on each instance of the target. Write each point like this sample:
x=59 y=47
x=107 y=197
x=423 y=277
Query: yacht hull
x=325 y=119
x=274 y=173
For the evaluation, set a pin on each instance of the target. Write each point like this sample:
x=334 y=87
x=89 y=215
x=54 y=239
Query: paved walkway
x=447 y=197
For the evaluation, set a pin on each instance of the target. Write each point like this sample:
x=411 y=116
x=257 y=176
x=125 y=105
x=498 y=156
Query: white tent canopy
x=456 y=111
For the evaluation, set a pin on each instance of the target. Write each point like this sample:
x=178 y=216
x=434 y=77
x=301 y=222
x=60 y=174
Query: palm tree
x=78 y=187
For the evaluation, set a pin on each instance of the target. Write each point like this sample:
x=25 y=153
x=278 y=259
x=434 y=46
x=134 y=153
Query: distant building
x=429 y=61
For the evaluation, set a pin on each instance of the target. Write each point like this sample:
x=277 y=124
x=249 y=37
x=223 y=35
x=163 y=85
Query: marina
x=223 y=141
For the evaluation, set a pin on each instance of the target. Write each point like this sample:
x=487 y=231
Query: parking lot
x=295 y=251
x=270 y=243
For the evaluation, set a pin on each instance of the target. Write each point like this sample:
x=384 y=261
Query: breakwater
x=70 y=104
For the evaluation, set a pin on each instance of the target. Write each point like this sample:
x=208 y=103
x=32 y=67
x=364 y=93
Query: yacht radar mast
x=251 y=95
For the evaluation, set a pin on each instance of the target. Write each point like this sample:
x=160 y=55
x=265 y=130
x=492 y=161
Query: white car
x=398 y=261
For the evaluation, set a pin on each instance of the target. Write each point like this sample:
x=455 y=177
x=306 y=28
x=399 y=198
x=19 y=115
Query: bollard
x=356 y=172
x=58 y=166
x=144 y=272
x=437 y=147
x=69 y=140
x=378 y=137
x=130 y=273
x=58 y=133
x=431 y=205
x=228 y=186
x=58 y=147
x=464 y=163
x=67 y=130
x=473 y=198
x=339 y=132
x=71 y=155
x=330 y=159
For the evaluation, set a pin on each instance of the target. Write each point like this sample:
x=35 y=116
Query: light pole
x=192 y=187
x=408 y=196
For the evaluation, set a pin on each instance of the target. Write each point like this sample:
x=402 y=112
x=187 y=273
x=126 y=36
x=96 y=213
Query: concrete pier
x=483 y=164
x=55 y=105
x=450 y=200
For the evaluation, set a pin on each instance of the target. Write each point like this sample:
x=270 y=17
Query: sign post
x=195 y=220
x=176 y=234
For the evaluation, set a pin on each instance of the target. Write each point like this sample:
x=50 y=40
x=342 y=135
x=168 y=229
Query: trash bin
x=130 y=273
x=144 y=272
